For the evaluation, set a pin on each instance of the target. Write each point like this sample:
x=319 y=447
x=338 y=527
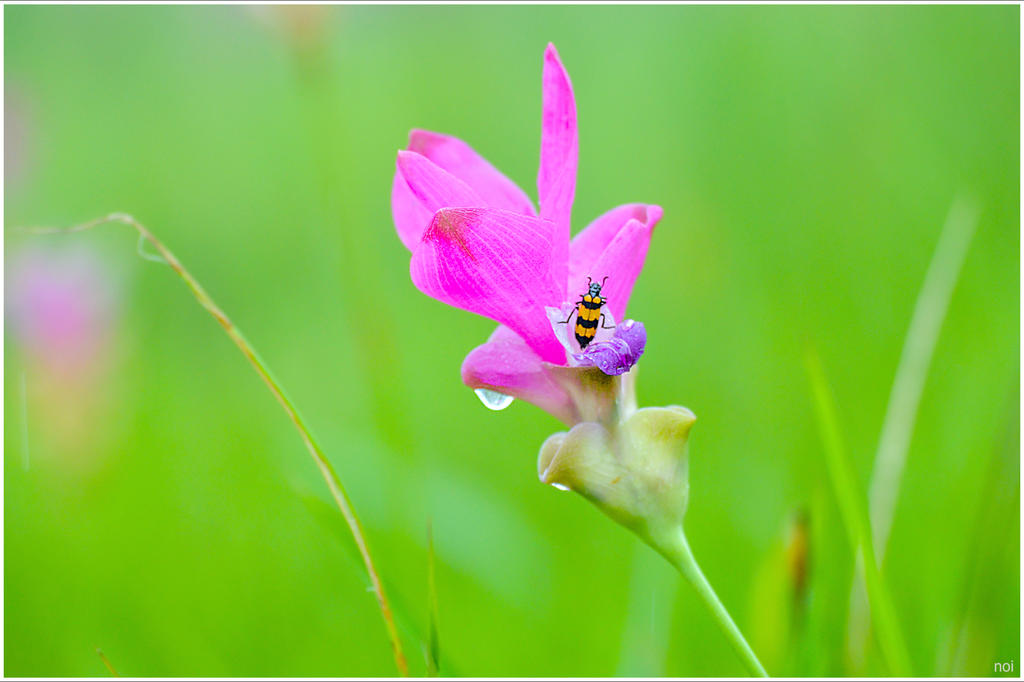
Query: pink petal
x=507 y=365
x=591 y=242
x=561 y=193
x=621 y=263
x=495 y=263
x=408 y=213
x=559 y=151
x=459 y=159
x=433 y=186
x=420 y=188
x=589 y=246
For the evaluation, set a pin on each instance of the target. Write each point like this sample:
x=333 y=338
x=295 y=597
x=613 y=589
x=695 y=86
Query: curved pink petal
x=621 y=262
x=507 y=365
x=590 y=244
x=559 y=150
x=408 y=213
x=420 y=188
x=433 y=186
x=459 y=159
x=495 y=263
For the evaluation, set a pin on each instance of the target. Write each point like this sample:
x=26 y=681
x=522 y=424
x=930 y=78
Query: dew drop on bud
x=493 y=400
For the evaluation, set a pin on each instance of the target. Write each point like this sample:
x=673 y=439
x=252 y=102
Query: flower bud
x=635 y=470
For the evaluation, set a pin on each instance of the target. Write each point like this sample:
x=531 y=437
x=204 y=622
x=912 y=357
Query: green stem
x=858 y=524
x=323 y=464
x=676 y=549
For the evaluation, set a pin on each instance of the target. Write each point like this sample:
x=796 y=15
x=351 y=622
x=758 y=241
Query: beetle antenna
x=588 y=280
x=603 y=281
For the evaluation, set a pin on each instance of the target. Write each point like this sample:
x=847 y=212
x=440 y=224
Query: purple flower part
x=618 y=355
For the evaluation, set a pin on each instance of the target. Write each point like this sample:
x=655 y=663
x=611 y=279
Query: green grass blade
x=912 y=371
x=323 y=464
x=434 y=643
x=905 y=396
x=855 y=519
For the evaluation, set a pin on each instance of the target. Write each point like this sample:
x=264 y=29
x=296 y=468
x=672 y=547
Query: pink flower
x=478 y=244
x=60 y=304
x=63 y=313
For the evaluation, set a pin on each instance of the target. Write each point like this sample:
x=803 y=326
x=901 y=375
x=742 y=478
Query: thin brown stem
x=322 y=463
x=106 y=662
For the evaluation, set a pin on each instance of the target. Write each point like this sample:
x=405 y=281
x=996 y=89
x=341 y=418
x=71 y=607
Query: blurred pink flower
x=60 y=306
x=478 y=244
x=61 y=311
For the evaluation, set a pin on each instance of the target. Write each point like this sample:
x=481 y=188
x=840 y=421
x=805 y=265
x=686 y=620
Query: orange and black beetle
x=588 y=312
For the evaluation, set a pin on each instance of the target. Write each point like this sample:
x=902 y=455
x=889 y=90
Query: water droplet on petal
x=493 y=400
x=560 y=486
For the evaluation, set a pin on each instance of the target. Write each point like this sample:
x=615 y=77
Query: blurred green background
x=160 y=506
